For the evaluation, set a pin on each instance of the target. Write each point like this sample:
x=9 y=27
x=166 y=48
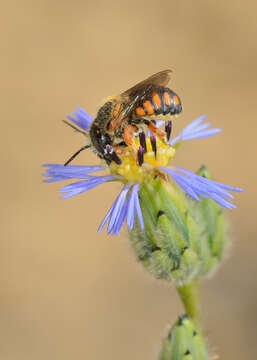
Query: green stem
x=189 y=295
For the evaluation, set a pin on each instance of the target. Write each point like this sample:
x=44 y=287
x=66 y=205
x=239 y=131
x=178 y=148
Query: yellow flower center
x=132 y=172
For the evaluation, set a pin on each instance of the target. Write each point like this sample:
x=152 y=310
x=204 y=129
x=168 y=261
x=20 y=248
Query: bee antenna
x=76 y=154
x=74 y=127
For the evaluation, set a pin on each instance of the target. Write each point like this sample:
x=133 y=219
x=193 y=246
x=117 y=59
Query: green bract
x=183 y=239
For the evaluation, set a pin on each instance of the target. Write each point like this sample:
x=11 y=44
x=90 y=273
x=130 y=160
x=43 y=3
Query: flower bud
x=182 y=239
x=184 y=342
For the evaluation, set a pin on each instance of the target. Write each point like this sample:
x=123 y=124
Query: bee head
x=100 y=139
x=102 y=143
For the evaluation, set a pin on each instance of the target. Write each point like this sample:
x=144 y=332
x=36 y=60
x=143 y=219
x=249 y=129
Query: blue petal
x=223 y=202
x=84 y=183
x=122 y=209
x=175 y=140
x=75 y=168
x=82 y=186
x=76 y=122
x=201 y=134
x=201 y=127
x=131 y=207
x=181 y=181
x=195 y=123
x=195 y=185
x=60 y=172
x=139 y=212
x=81 y=118
x=130 y=213
x=204 y=185
x=195 y=130
x=75 y=192
x=115 y=210
x=120 y=219
x=201 y=178
x=57 y=178
x=107 y=215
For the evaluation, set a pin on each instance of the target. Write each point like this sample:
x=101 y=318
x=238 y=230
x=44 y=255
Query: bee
x=122 y=118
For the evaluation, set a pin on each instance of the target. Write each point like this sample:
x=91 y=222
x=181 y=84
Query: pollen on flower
x=129 y=168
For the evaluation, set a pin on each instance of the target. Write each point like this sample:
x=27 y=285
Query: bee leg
x=168 y=129
x=142 y=140
x=116 y=158
x=109 y=150
x=137 y=152
x=129 y=130
x=154 y=130
x=153 y=144
x=140 y=155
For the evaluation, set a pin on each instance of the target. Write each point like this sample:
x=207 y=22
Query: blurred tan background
x=66 y=292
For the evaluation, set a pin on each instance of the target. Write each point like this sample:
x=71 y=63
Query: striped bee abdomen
x=161 y=102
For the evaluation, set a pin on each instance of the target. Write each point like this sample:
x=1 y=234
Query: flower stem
x=189 y=295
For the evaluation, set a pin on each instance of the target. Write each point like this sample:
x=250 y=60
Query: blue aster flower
x=156 y=157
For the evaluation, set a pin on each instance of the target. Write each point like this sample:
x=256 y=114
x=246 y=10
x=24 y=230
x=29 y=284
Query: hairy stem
x=189 y=295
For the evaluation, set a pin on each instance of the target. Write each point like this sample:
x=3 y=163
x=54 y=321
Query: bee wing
x=160 y=79
x=140 y=91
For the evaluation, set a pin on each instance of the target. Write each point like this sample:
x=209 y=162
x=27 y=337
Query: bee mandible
x=122 y=118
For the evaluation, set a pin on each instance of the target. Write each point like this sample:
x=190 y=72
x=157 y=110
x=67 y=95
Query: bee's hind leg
x=156 y=131
x=163 y=135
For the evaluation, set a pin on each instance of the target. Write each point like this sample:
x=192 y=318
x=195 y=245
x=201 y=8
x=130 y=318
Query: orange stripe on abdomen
x=176 y=100
x=166 y=98
x=156 y=101
x=148 y=107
